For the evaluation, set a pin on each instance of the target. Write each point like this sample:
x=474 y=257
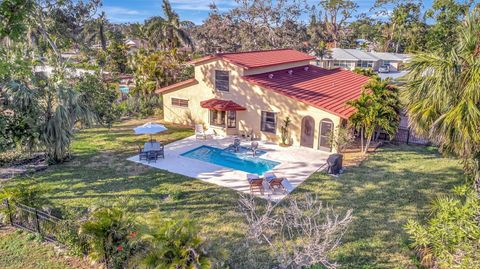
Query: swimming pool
x=232 y=160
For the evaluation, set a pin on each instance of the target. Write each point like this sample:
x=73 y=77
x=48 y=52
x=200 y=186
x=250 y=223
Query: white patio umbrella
x=150 y=128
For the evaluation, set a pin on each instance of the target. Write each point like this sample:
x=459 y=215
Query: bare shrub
x=299 y=233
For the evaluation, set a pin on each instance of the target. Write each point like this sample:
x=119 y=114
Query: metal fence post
x=37 y=222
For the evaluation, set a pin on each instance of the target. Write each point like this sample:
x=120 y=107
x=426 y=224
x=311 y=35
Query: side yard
x=394 y=184
x=19 y=249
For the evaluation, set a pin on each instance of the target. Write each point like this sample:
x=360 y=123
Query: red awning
x=221 y=105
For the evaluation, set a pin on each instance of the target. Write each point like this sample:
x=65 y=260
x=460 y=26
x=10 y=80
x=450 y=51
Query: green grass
x=393 y=185
x=22 y=250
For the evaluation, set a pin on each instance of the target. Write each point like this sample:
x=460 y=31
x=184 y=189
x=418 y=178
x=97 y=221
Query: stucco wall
x=254 y=98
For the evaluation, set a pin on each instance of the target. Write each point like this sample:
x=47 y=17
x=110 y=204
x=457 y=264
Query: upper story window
x=179 y=102
x=222 y=80
x=269 y=122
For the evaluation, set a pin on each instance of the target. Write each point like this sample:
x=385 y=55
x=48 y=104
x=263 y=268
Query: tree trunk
x=361 y=139
x=369 y=139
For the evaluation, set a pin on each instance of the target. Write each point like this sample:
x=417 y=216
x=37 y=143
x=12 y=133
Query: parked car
x=384 y=69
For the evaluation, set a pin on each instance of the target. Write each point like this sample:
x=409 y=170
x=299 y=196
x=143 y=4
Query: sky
x=125 y=11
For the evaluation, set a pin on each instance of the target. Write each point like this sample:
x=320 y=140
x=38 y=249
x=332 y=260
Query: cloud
x=201 y=5
x=122 y=15
x=120 y=11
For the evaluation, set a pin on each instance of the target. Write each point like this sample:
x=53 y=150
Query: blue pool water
x=237 y=161
x=124 y=89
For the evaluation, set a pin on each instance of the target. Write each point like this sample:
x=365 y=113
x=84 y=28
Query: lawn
x=394 y=184
x=20 y=249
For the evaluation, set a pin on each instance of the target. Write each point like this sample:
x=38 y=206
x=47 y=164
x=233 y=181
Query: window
x=365 y=64
x=179 y=102
x=269 y=122
x=231 y=119
x=221 y=80
x=217 y=118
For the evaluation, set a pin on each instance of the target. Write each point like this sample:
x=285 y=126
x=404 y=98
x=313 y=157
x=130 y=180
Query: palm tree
x=96 y=31
x=377 y=108
x=108 y=231
x=167 y=32
x=172 y=244
x=442 y=96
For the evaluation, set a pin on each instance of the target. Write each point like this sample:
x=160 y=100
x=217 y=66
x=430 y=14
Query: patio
x=296 y=164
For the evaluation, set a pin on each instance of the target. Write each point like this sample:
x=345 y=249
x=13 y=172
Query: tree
x=172 y=244
x=443 y=103
x=442 y=98
x=336 y=14
x=254 y=25
x=96 y=31
x=321 y=50
x=99 y=97
x=300 y=234
x=110 y=231
x=116 y=55
x=377 y=108
x=153 y=70
x=448 y=15
x=167 y=33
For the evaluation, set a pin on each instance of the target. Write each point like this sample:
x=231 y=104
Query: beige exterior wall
x=254 y=98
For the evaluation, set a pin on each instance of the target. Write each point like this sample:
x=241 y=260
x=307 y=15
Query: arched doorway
x=326 y=127
x=308 y=132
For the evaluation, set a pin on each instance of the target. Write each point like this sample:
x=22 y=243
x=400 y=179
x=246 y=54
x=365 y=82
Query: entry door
x=308 y=132
x=326 y=127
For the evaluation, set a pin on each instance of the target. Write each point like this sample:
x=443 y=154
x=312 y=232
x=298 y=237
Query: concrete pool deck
x=296 y=164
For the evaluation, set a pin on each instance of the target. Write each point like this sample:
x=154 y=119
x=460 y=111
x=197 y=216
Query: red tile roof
x=322 y=88
x=221 y=105
x=256 y=59
x=178 y=85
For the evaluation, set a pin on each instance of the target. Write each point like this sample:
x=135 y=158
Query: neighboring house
x=252 y=93
x=353 y=58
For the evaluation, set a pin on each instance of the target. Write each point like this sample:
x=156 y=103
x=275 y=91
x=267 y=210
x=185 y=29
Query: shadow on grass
x=395 y=184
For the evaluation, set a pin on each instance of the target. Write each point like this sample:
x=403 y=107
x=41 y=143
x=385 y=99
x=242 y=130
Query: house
x=252 y=93
x=356 y=58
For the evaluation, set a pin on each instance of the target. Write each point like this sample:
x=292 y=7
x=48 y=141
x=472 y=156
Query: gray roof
x=360 y=55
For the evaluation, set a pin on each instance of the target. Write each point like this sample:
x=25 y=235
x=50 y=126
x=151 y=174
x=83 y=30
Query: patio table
x=152 y=146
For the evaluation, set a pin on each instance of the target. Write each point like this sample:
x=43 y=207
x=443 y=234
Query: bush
x=99 y=97
x=141 y=106
x=451 y=237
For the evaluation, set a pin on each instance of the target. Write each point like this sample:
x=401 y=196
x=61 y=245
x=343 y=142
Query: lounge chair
x=254 y=147
x=236 y=145
x=199 y=132
x=142 y=155
x=274 y=182
x=256 y=183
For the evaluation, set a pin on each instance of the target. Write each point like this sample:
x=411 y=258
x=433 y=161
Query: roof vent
x=306 y=68
x=270 y=76
x=290 y=72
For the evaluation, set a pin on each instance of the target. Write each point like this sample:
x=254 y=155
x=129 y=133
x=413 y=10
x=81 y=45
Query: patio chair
x=160 y=152
x=256 y=183
x=254 y=147
x=142 y=155
x=236 y=145
x=199 y=132
x=152 y=156
x=274 y=182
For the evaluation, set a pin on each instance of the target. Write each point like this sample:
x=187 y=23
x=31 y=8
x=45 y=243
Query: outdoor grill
x=334 y=163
